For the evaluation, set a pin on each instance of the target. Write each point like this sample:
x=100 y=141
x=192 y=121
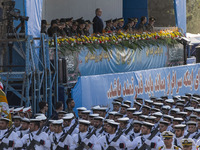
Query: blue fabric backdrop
x=180 y=14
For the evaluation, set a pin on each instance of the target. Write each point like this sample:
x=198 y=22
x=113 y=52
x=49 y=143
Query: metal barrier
x=38 y=77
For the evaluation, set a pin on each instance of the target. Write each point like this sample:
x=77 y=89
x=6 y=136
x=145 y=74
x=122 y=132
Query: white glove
x=61 y=144
x=5 y=140
x=148 y=142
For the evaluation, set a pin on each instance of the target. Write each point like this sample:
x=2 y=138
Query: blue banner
x=102 y=89
x=123 y=60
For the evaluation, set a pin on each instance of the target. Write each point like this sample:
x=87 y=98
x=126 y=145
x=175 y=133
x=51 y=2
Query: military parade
x=119 y=78
x=158 y=123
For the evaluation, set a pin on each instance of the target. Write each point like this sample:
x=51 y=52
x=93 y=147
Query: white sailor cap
x=118 y=114
x=86 y=112
x=125 y=105
x=197 y=110
x=62 y=112
x=166 y=107
x=180 y=126
x=175 y=109
x=148 y=101
x=187 y=142
x=26 y=120
x=189 y=108
x=112 y=122
x=164 y=122
x=38 y=114
x=193 y=116
x=116 y=103
x=125 y=119
x=181 y=113
x=27 y=109
x=159 y=114
x=103 y=108
x=194 y=100
x=93 y=115
x=127 y=101
x=143 y=116
x=57 y=122
x=98 y=118
x=137 y=103
x=137 y=113
x=68 y=116
x=11 y=110
x=5 y=119
x=95 y=107
x=158 y=104
x=145 y=106
x=42 y=117
x=191 y=123
x=137 y=122
x=20 y=109
x=81 y=108
x=168 y=116
x=16 y=117
x=131 y=109
x=147 y=124
x=169 y=100
x=51 y=121
x=151 y=118
x=167 y=134
x=86 y=122
x=35 y=120
x=112 y=112
x=155 y=109
x=178 y=119
x=160 y=99
x=179 y=104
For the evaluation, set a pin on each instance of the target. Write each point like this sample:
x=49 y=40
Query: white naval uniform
x=172 y=148
x=55 y=137
x=192 y=135
x=134 y=135
x=13 y=137
x=179 y=141
x=92 y=140
x=21 y=133
x=104 y=143
x=198 y=144
x=17 y=128
x=76 y=130
x=137 y=142
x=27 y=138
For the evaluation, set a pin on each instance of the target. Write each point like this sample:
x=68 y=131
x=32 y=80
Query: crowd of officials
x=69 y=27
x=139 y=124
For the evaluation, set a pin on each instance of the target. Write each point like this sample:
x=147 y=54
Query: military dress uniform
x=13 y=141
x=21 y=133
x=82 y=138
x=42 y=138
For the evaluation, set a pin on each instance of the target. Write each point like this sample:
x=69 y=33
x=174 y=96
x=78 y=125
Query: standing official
x=98 y=23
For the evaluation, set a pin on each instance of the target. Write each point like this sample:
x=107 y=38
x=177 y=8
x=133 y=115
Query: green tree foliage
x=193 y=16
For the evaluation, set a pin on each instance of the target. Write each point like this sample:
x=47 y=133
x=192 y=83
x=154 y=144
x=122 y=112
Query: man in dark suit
x=97 y=22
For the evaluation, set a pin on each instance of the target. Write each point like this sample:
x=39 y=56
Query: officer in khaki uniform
x=168 y=141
